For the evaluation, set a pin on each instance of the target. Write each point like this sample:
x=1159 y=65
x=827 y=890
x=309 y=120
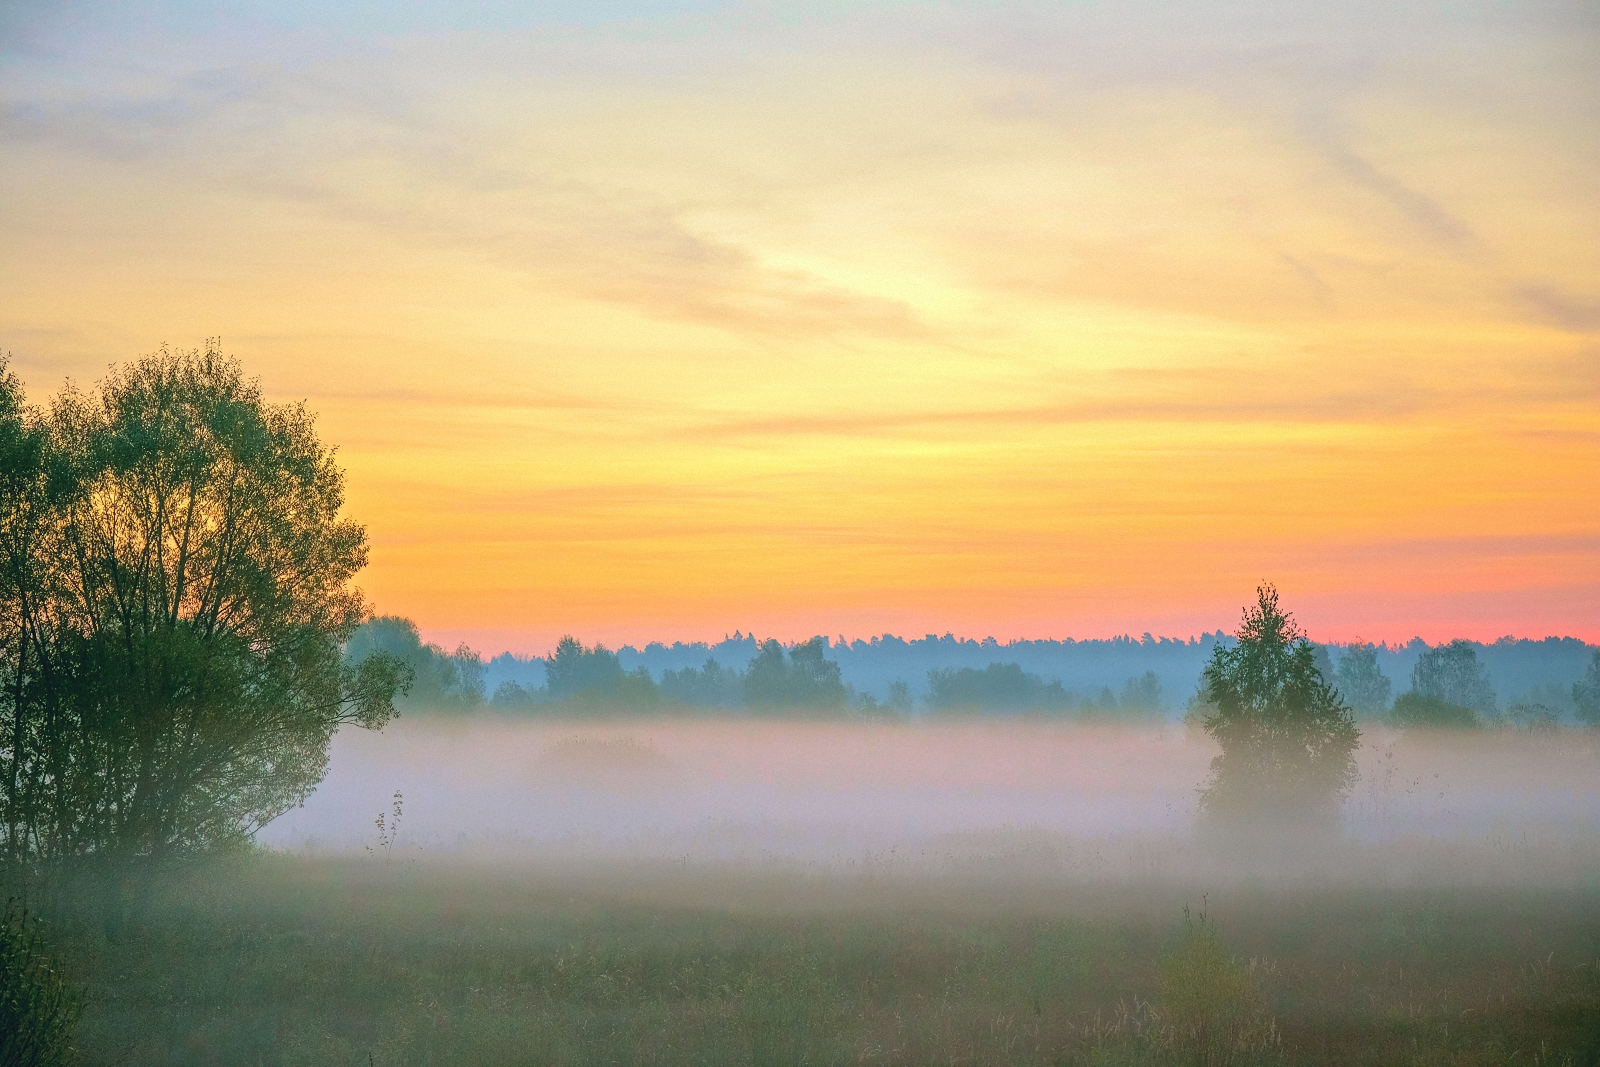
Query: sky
x=661 y=320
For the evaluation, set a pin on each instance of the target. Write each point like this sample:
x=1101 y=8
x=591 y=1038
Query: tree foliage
x=594 y=677
x=1361 y=682
x=439 y=680
x=1451 y=673
x=998 y=687
x=1416 y=709
x=1586 y=693
x=710 y=686
x=176 y=591
x=1288 y=740
x=805 y=678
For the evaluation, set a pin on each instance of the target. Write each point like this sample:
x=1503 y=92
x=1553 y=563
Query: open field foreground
x=704 y=892
x=281 y=959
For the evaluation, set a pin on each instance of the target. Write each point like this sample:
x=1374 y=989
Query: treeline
x=1450 y=687
x=577 y=678
x=1447 y=685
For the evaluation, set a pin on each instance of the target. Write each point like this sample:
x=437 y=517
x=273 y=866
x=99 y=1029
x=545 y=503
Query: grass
x=286 y=960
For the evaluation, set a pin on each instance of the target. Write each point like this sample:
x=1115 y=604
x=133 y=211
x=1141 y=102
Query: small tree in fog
x=1288 y=741
x=805 y=679
x=594 y=677
x=1417 y=710
x=1360 y=681
x=439 y=679
x=1451 y=673
x=1586 y=693
x=1142 y=693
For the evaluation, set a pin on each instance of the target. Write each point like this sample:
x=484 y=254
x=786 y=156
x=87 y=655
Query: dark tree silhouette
x=594 y=678
x=1360 y=681
x=1586 y=693
x=1451 y=673
x=1288 y=741
x=440 y=680
x=1413 y=710
x=177 y=591
x=806 y=678
x=998 y=687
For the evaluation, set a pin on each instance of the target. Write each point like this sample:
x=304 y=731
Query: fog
x=1047 y=797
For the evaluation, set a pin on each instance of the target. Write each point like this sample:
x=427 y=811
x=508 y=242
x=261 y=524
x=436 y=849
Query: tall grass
x=39 y=1007
x=280 y=960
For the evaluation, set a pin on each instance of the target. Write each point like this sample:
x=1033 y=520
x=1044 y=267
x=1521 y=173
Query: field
x=287 y=960
x=782 y=893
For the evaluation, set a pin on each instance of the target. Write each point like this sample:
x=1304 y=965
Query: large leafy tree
x=179 y=592
x=1288 y=740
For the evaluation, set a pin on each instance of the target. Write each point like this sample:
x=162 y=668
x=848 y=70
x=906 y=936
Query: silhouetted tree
x=1360 y=681
x=177 y=595
x=1533 y=717
x=1142 y=694
x=594 y=678
x=509 y=694
x=805 y=678
x=899 y=698
x=440 y=680
x=1451 y=673
x=998 y=687
x=712 y=686
x=1586 y=693
x=1288 y=741
x=1416 y=709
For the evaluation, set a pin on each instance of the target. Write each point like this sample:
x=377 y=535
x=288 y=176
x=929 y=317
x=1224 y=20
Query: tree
x=594 y=676
x=1288 y=741
x=179 y=591
x=1142 y=694
x=712 y=686
x=1586 y=693
x=806 y=679
x=1415 y=709
x=1451 y=673
x=1361 y=682
x=440 y=680
x=998 y=687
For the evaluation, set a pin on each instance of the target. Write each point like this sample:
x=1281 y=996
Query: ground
x=276 y=959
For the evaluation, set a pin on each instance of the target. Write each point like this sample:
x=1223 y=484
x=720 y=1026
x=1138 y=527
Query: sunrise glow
x=1023 y=320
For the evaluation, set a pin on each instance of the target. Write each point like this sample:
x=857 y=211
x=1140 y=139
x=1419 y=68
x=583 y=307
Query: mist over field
x=1072 y=799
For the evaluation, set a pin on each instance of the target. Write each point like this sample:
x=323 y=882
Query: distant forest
x=1550 y=680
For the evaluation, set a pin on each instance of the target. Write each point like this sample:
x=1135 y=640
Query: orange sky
x=1024 y=320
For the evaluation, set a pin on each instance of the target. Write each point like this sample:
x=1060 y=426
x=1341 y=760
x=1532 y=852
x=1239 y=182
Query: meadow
x=789 y=892
x=274 y=959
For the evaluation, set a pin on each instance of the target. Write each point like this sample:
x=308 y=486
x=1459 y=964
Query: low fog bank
x=1051 y=798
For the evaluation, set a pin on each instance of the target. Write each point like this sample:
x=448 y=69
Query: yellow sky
x=1022 y=320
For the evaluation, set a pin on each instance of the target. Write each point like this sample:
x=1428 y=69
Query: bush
x=1415 y=709
x=1210 y=1013
x=39 y=1009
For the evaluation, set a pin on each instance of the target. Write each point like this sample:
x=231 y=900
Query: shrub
x=1415 y=709
x=1211 y=1013
x=39 y=1009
